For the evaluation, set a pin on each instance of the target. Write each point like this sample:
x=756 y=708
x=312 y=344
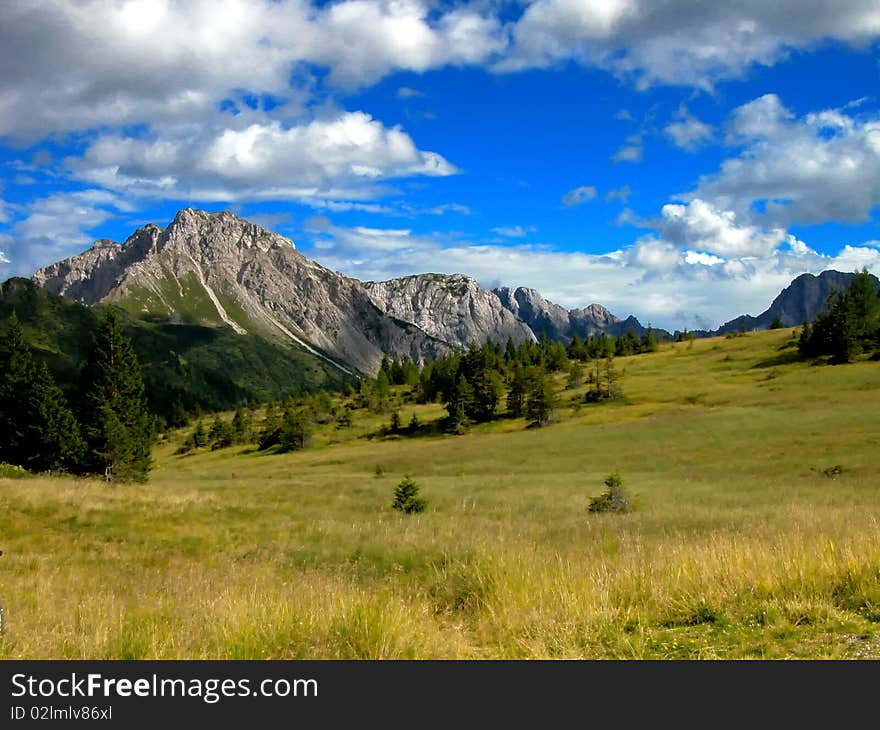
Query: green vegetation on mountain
x=185 y=366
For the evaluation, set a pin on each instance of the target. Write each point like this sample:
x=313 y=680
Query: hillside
x=755 y=537
x=185 y=364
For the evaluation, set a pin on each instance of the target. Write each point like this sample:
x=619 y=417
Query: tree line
x=848 y=327
x=107 y=431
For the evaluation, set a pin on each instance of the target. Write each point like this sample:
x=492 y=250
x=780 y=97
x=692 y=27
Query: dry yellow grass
x=742 y=546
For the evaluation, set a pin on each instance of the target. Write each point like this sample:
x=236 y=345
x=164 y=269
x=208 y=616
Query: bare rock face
x=545 y=317
x=541 y=315
x=217 y=269
x=453 y=308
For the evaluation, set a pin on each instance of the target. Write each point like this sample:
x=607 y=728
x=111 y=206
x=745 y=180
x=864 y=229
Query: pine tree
x=294 y=432
x=37 y=427
x=271 y=428
x=460 y=402
x=116 y=425
x=516 y=393
x=241 y=426
x=575 y=374
x=54 y=438
x=17 y=367
x=541 y=401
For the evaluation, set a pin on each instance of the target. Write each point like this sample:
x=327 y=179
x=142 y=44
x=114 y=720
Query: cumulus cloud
x=582 y=194
x=700 y=225
x=687 y=132
x=679 y=41
x=74 y=66
x=824 y=166
x=656 y=279
x=341 y=157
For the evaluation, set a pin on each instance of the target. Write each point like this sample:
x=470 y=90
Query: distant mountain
x=799 y=302
x=543 y=316
x=453 y=308
x=218 y=271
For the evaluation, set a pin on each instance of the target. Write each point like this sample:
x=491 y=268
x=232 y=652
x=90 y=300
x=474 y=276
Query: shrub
x=614 y=498
x=406 y=497
x=13 y=471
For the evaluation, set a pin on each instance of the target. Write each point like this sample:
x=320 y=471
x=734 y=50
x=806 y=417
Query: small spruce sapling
x=406 y=497
x=614 y=498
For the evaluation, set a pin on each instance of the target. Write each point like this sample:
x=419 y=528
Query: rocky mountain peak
x=451 y=307
x=799 y=302
x=220 y=232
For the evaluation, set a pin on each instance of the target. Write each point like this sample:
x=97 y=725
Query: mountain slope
x=217 y=270
x=453 y=308
x=186 y=365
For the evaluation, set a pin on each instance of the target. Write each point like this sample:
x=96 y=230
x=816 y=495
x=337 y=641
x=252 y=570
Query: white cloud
x=761 y=118
x=651 y=254
x=700 y=257
x=582 y=194
x=687 y=132
x=55 y=227
x=822 y=167
x=75 y=66
x=514 y=231
x=342 y=157
x=700 y=225
x=682 y=42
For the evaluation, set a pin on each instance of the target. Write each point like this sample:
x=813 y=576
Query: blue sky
x=680 y=161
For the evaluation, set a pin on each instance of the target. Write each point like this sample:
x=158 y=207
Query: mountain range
x=217 y=304
x=218 y=270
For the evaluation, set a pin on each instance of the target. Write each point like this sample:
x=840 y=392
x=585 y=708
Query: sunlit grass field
x=746 y=543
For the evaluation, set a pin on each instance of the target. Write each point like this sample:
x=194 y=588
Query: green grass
x=743 y=546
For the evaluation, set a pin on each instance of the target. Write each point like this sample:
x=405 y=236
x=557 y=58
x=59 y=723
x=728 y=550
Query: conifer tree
x=37 y=427
x=516 y=393
x=542 y=399
x=16 y=364
x=294 y=433
x=116 y=425
x=54 y=440
x=241 y=426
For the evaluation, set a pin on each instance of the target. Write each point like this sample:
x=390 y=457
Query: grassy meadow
x=747 y=542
